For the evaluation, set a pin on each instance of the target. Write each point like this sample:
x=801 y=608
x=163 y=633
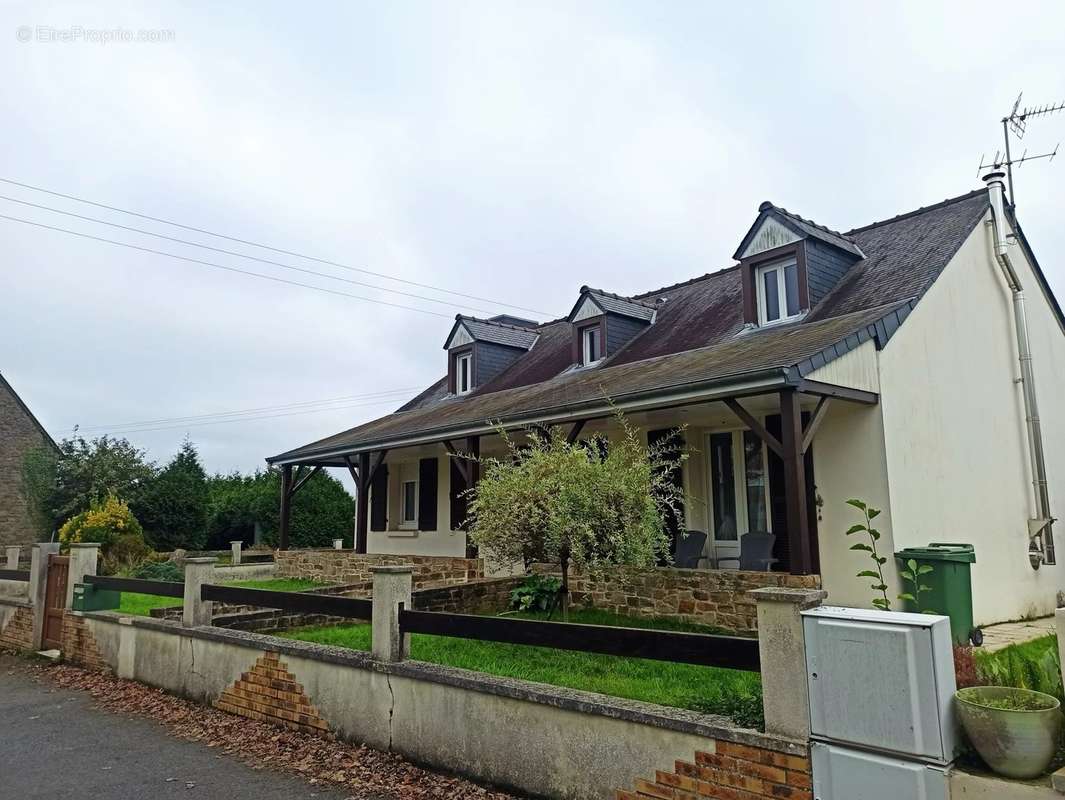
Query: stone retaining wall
x=485 y=596
x=706 y=597
x=347 y=566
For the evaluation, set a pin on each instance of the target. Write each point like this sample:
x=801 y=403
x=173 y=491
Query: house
x=883 y=363
x=20 y=432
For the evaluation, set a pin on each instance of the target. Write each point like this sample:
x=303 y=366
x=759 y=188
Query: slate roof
x=698 y=336
x=811 y=228
x=616 y=304
x=486 y=330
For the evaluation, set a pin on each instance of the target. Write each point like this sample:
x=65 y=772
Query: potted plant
x=1015 y=731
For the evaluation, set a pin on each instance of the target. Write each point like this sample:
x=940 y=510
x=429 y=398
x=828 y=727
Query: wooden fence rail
x=161 y=588
x=303 y=602
x=704 y=649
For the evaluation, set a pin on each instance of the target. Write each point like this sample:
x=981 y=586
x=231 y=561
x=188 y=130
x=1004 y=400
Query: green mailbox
x=88 y=598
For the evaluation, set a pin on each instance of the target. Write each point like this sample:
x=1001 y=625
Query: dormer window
x=591 y=345
x=463 y=373
x=778 y=291
x=789 y=264
x=480 y=349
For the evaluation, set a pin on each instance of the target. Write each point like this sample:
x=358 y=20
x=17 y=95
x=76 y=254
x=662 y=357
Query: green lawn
x=734 y=693
x=140 y=605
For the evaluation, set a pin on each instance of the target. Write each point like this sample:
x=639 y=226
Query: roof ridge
x=689 y=282
x=470 y=317
x=923 y=209
x=627 y=298
x=802 y=219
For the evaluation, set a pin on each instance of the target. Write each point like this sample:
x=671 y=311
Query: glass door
x=738 y=490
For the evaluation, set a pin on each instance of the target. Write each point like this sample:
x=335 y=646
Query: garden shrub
x=159 y=571
x=535 y=593
x=126 y=552
x=104 y=522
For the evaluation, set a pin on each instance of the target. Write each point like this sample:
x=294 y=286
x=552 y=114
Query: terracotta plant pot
x=1015 y=731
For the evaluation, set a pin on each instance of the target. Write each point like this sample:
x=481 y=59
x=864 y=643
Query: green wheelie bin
x=950 y=586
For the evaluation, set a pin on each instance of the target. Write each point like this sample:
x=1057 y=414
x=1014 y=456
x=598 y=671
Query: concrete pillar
x=391 y=592
x=13 y=554
x=39 y=585
x=127 y=653
x=782 y=648
x=234 y=548
x=84 y=557
x=338 y=544
x=1059 y=623
x=198 y=571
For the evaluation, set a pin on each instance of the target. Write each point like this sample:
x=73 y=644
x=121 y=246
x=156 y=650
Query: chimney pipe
x=1041 y=540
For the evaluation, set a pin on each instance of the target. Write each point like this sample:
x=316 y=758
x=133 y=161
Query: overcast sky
x=512 y=151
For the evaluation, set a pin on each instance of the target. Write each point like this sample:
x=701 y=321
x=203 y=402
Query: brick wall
x=18 y=435
x=347 y=566
x=18 y=632
x=269 y=692
x=79 y=646
x=732 y=772
x=707 y=597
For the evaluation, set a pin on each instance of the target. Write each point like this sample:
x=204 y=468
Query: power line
x=251 y=418
x=267 y=247
x=222 y=266
x=388 y=394
x=240 y=255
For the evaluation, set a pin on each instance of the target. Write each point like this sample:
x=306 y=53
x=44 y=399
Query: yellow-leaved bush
x=104 y=522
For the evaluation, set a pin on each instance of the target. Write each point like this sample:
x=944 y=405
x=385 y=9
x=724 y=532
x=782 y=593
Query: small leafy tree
x=585 y=504
x=61 y=485
x=912 y=575
x=865 y=526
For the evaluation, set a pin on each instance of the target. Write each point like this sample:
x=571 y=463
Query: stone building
x=20 y=432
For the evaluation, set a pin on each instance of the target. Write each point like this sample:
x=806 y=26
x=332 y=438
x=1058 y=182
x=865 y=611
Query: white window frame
x=586 y=336
x=782 y=289
x=739 y=485
x=467 y=360
x=404 y=523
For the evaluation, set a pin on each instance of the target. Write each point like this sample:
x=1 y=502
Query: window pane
x=791 y=288
x=771 y=295
x=410 y=495
x=723 y=487
x=464 y=374
x=591 y=345
x=754 y=466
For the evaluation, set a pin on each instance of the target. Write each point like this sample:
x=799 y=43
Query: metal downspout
x=1041 y=538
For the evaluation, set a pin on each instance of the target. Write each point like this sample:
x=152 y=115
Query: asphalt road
x=54 y=745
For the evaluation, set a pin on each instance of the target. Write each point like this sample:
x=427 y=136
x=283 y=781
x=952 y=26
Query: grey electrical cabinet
x=881 y=681
x=843 y=774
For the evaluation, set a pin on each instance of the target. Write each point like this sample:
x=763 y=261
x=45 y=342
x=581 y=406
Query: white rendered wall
x=955 y=428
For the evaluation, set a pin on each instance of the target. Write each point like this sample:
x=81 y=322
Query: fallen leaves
x=366 y=773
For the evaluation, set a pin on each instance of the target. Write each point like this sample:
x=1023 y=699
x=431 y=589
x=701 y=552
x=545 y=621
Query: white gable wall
x=461 y=337
x=770 y=234
x=588 y=310
x=955 y=434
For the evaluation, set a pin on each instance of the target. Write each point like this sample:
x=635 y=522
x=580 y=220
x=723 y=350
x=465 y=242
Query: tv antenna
x=1016 y=123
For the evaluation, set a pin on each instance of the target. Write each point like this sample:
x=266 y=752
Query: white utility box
x=881 y=681
x=842 y=774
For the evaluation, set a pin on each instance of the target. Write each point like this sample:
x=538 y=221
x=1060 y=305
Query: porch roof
x=750 y=363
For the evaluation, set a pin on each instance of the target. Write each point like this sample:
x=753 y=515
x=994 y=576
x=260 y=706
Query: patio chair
x=756 y=552
x=689 y=550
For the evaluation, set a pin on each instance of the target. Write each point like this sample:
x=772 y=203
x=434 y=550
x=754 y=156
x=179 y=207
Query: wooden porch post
x=362 y=504
x=473 y=448
x=791 y=441
x=286 y=506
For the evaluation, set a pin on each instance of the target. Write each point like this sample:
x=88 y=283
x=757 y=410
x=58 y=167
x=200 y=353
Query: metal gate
x=55 y=602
